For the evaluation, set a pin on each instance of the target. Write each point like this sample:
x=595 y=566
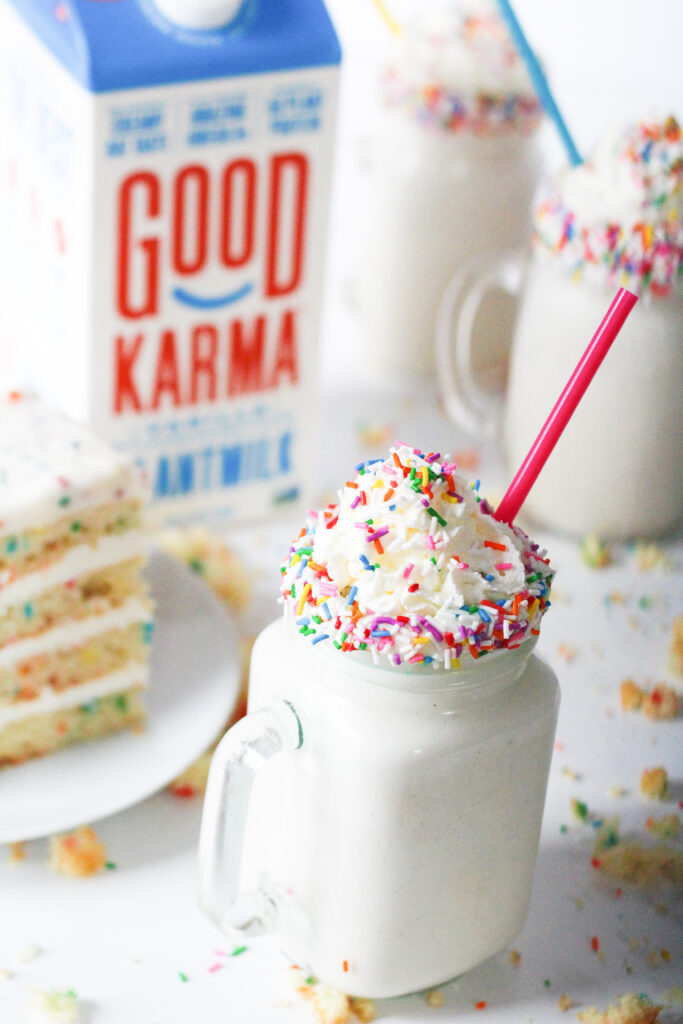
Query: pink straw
x=564 y=407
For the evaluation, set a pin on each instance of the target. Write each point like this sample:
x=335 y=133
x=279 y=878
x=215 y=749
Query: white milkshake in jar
x=394 y=837
x=616 y=220
x=454 y=167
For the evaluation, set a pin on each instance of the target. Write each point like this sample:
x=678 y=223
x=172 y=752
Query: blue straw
x=539 y=80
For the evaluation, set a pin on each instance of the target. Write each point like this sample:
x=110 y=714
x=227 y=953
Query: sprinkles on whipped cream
x=461 y=75
x=643 y=253
x=410 y=566
x=483 y=114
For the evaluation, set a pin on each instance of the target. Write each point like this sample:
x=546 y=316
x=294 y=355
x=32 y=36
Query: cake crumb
x=515 y=957
x=632 y=1008
x=28 y=953
x=192 y=782
x=650 y=556
x=17 y=852
x=616 y=792
x=435 y=998
x=595 y=553
x=58 y=1006
x=674 y=662
x=607 y=835
x=330 y=1005
x=6 y=974
x=374 y=435
x=566 y=651
x=654 y=783
x=657 y=957
x=630 y=695
x=666 y=827
x=640 y=865
x=633 y=862
x=660 y=703
x=210 y=557
x=363 y=1009
x=78 y=854
x=565 y=1003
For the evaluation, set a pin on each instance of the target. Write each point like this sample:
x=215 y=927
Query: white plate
x=193 y=689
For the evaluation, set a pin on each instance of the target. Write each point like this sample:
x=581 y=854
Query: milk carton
x=165 y=176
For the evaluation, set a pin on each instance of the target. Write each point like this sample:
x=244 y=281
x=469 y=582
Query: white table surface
x=121 y=939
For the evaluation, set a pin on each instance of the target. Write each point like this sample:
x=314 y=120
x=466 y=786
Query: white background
x=122 y=938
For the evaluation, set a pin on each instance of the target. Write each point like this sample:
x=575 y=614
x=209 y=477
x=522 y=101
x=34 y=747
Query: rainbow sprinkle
x=644 y=250
x=415 y=578
x=461 y=74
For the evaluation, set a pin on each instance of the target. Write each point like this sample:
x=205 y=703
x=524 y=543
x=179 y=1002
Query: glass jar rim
x=491 y=668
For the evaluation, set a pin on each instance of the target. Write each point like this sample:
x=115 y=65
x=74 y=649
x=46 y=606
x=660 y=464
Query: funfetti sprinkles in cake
x=410 y=565
x=617 y=219
x=75 y=619
x=456 y=69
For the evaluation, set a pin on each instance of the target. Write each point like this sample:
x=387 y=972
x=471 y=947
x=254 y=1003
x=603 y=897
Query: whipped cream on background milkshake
x=616 y=220
x=454 y=167
x=392 y=841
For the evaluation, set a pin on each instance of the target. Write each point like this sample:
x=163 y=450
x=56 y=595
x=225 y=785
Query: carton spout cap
x=200 y=14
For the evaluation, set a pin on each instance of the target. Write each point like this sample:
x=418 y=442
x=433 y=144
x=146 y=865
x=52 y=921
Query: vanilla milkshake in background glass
x=616 y=220
x=391 y=839
x=454 y=165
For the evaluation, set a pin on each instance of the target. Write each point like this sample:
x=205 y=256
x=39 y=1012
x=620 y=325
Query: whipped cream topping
x=458 y=69
x=410 y=565
x=617 y=219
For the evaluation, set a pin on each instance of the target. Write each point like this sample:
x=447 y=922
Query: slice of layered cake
x=75 y=618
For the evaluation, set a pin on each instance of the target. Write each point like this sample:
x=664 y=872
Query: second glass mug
x=436 y=198
x=617 y=470
x=383 y=822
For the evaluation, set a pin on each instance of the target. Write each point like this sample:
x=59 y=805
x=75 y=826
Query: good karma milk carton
x=164 y=179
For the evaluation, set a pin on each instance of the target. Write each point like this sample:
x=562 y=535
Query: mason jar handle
x=243 y=750
x=466 y=403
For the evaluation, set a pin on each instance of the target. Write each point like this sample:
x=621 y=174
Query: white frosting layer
x=75 y=632
x=51 y=466
x=79 y=560
x=133 y=674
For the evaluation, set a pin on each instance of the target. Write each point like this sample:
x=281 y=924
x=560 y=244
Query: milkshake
x=616 y=220
x=398 y=739
x=453 y=172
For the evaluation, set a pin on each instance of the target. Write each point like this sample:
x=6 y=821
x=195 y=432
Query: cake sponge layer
x=43 y=733
x=60 y=669
x=25 y=551
x=89 y=594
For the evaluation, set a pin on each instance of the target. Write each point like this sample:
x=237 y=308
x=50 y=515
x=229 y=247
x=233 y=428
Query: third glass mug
x=617 y=470
x=437 y=198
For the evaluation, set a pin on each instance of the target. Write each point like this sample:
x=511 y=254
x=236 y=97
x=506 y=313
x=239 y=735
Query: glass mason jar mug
x=436 y=199
x=384 y=822
x=617 y=469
